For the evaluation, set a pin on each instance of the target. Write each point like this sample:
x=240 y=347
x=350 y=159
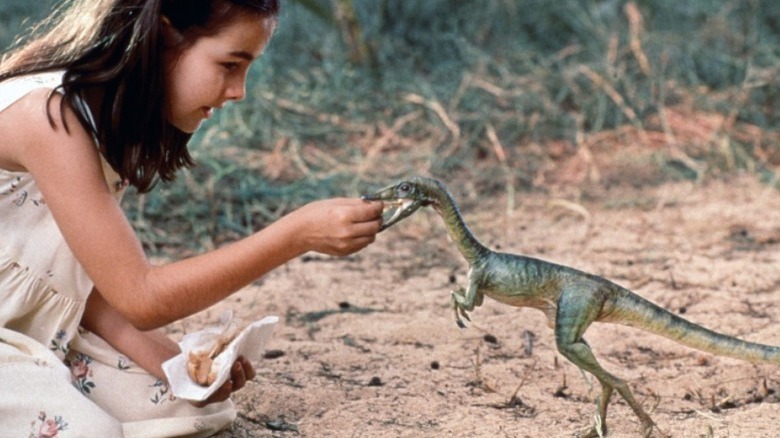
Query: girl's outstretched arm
x=67 y=168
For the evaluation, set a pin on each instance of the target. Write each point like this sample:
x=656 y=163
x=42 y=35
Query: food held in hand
x=201 y=364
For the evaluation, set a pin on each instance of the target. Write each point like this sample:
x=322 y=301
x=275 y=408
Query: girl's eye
x=230 y=66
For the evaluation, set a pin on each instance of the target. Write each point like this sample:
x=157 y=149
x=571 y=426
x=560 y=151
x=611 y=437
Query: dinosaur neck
x=467 y=244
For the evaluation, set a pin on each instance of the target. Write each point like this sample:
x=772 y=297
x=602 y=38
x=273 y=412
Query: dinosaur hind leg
x=575 y=313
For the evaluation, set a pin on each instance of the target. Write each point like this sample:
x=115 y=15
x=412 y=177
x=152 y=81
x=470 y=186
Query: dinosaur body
x=529 y=282
x=571 y=299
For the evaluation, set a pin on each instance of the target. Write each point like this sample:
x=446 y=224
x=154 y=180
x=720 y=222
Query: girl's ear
x=171 y=36
x=166 y=22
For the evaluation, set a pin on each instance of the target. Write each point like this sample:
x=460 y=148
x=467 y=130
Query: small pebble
x=273 y=354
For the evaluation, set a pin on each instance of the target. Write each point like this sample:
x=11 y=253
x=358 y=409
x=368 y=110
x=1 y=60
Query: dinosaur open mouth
x=396 y=207
x=394 y=211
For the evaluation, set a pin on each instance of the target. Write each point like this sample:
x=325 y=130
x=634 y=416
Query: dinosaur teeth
x=392 y=209
x=395 y=212
x=395 y=203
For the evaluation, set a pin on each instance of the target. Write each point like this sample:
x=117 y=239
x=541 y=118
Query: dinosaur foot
x=648 y=427
x=593 y=432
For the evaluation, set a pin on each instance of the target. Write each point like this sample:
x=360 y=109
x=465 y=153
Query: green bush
x=440 y=75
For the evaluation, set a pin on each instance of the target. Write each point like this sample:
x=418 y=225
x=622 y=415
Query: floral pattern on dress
x=123 y=363
x=20 y=196
x=81 y=373
x=162 y=393
x=12 y=187
x=59 y=344
x=44 y=427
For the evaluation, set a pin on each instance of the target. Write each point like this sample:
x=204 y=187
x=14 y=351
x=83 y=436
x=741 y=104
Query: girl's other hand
x=241 y=372
x=339 y=226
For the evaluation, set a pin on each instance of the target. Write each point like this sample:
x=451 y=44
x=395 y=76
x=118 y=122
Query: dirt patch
x=367 y=345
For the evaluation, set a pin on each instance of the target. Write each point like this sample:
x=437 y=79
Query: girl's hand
x=241 y=372
x=339 y=226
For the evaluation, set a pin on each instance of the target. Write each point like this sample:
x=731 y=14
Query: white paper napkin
x=249 y=343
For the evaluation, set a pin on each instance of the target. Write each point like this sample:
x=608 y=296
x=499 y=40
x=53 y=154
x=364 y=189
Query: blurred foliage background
x=496 y=97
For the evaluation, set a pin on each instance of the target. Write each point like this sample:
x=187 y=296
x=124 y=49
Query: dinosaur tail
x=635 y=311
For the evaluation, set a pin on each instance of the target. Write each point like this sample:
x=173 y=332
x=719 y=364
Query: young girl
x=107 y=95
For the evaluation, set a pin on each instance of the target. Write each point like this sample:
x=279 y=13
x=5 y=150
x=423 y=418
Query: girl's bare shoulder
x=35 y=121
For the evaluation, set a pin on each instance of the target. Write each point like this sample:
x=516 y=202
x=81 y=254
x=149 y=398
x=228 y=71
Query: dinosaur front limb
x=464 y=301
x=458 y=300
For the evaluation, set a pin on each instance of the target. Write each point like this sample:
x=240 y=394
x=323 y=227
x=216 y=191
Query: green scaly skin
x=570 y=299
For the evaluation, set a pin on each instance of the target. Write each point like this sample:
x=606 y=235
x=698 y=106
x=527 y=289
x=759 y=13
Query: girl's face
x=206 y=74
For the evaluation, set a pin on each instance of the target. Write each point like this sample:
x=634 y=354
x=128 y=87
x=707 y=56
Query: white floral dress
x=55 y=380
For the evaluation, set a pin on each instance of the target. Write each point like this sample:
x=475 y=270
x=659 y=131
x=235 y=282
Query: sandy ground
x=367 y=345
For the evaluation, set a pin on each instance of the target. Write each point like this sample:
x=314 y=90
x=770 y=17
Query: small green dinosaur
x=570 y=299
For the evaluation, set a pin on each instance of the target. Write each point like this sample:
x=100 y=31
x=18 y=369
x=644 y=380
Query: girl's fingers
x=361 y=210
x=368 y=228
x=249 y=369
x=241 y=372
x=372 y=213
x=237 y=375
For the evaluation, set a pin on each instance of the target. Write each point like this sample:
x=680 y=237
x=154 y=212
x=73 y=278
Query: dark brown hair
x=115 y=46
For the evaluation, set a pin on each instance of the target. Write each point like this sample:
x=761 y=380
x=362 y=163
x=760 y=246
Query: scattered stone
x=273 y=354
x=281 y=426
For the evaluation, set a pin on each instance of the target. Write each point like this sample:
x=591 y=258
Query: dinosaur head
x=404 y=198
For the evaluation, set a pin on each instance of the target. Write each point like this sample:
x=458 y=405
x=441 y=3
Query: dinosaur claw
x=459 y=312
x=457 y=318
x=464 y=314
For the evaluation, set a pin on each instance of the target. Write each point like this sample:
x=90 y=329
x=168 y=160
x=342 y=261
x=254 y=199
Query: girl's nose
x=236 y=90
